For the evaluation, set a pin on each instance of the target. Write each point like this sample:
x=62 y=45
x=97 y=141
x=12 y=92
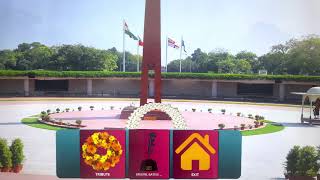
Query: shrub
x=57 y=110
x=43 y=112
x=210 y=110
x=243 y=126
x=111 y=107
x=79 y=108
x=257 y=117
x=250 y=116
x=223 y=111
x=302 y=161
x=91 y=107
x=238 y=113
x=17 y=152
x=250 y=126
x=78 y=122
x=256 y=123
x=48 y=111
x=221 y=126
x=45 y=117
x=67 y=109
x=5 y=154
x=194 y=110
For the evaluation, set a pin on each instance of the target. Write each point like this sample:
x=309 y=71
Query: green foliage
x=79 y=108
x=91 y=107
x=269 y=128
x=17 y=152
x=5 y=154
x=302 y=161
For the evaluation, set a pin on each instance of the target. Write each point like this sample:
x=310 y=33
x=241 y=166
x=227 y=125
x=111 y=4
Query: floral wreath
x=105 y=141
x=174 y=113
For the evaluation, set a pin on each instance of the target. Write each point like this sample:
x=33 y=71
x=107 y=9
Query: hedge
x=203 y=76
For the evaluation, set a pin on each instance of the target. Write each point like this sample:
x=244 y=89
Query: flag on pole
x=140 y=41
x=183 y=46
x=128 y=32
x=172 y=43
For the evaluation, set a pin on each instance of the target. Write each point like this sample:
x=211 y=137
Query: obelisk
x=151 y=51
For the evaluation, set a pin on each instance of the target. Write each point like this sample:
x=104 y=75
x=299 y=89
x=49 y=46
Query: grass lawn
x=33 y=122
x=269 y=128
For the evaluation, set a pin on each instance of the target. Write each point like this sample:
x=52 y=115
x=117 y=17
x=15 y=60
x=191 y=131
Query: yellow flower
x=95 y=141
x=103 y=159
x=88 y=158
x=109 y=153
x=96 y=157
x=111 y=138
x=84 y=147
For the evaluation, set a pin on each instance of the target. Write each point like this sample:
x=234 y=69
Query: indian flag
x=128 y=32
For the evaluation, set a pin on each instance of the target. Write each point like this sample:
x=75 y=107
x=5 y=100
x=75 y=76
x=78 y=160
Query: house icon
x=195 y=152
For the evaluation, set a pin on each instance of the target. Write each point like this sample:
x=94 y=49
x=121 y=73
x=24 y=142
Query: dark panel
x=51 y=85
x=255 y=89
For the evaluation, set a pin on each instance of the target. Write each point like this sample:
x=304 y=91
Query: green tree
x=243 y=66
x=8 y=59
x=200 y=60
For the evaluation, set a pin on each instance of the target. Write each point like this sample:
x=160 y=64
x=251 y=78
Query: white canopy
x=313 y=94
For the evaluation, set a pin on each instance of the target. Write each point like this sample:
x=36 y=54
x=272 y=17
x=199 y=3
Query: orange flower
x=104 y=135
x=89 y=140
x=116 y=146
x=116 y=159
x=99 y=166
x=91 y=149
x=106 y=166
x=88 y=162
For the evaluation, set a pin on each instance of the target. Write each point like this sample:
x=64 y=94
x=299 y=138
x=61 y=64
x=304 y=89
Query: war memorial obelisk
x=151 y=51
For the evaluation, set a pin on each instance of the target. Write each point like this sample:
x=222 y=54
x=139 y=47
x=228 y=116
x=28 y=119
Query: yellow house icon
x=195 y=152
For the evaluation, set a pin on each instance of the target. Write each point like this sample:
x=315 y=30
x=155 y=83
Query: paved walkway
x=263 y=155
x=98 y=119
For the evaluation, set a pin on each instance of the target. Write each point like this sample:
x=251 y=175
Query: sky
x=207 y=24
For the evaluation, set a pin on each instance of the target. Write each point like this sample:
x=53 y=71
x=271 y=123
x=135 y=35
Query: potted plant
x=261 y=122
x=210 y=110
x=243 y=126
x=111 y=107
x=5 y=156
x=58 y=110
x=221 y=126
x=256 y=124
x=257 y=117
x=48 y=111
x=91 y=107
x=250 y=116
x=67 y=109
x=78 y=122
x=17 y=155
x=45 y=117
x=194 y=109
x=250 y=126
x=223 y=111
x=43 y=112
x=238 y=113
x=301 y=163
x=79 y=108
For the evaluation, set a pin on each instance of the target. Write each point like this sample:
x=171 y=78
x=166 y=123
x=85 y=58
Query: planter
x=301 y=178
x=18 y=168
x=242 y=128
x=256 y=126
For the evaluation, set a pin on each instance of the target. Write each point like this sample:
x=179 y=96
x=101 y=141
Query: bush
x=48 y=111
x=78 y=122
x=210 y=110
x=302 y=161
x=43 y=112
x=221 y=126
x=238 y=113
x=111 y=107
x=91 y=107
x=57 y=110
x=223 y=111
x=250 y=116
x=5 y=154
x=79 y=108
x=45 y=117
x=194 y=110
x=243 y=126
x=67 y=109
x=17 y=152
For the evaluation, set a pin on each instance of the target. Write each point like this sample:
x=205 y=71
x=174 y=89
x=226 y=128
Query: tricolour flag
x=183 y=46
x=172 y=43
x=128 y=32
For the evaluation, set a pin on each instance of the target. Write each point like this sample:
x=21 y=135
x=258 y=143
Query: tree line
x=296 y=56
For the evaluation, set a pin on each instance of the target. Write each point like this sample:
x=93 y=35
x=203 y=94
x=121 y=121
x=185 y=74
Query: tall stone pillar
x=26 y=86
x=89 y=87
x=151 y=51
x=214 y=89
x=282 y=92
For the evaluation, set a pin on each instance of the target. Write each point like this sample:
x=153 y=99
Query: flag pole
x=124 y=46
x=138 y=57
x=167 y=54
x=181 y=52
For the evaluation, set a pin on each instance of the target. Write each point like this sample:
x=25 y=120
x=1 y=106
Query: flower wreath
x=105 y=141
